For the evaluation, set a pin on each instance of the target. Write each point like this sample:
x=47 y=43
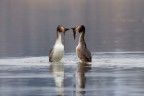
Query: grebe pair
x=56 y=53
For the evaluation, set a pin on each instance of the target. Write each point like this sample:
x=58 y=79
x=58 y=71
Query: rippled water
x=110 y=74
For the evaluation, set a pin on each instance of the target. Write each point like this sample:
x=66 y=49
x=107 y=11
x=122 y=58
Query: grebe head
x=61 y=29
x=80 y=29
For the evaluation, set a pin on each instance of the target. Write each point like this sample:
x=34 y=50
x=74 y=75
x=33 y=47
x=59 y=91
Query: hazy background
x=28 y=27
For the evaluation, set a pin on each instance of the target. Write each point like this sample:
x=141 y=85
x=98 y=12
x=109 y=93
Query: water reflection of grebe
x=57 y=68
x=80 y=78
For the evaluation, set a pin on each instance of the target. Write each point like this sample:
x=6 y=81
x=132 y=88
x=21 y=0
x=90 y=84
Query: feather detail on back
x=50 y=55
x=83 y=53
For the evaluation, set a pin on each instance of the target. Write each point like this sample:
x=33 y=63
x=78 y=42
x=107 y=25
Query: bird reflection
x=57 y=68
x=80 y=78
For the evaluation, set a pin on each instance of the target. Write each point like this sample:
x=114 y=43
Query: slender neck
x=81 y=39
x=58 y=40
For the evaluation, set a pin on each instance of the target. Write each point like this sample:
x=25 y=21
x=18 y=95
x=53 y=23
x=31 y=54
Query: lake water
x=114 y=33
x=28 y=27
x=110 y=74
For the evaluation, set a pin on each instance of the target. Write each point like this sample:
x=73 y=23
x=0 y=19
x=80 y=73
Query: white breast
x=58 y=52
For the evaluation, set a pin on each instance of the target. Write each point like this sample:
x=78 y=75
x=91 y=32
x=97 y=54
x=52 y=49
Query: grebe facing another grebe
x=81 y=50
x=56 y=53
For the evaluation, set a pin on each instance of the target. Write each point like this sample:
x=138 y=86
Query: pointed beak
x=66 y=29
x=74 y=32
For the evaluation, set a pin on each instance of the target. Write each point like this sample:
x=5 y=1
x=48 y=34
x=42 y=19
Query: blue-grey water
x=109 y=74
x=28 y=27
x=114 y=34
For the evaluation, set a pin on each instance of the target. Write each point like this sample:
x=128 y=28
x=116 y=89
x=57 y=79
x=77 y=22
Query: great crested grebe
x=81 y=50
x=56 y=53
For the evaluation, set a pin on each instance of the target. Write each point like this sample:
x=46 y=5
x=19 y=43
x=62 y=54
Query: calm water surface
x=110 y=74
x=28 y=27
